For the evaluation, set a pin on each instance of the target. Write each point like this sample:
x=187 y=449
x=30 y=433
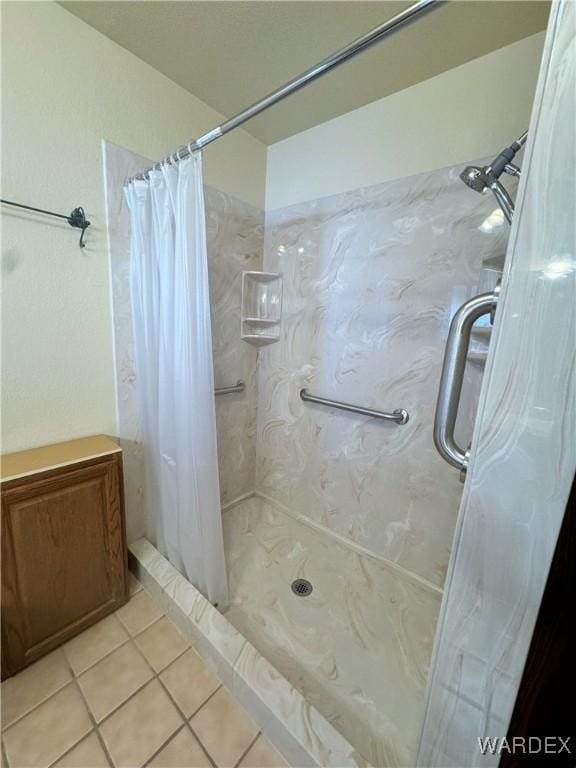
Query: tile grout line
x=92 y=718
x=207 y=700
x=156 y=676
x=42 y=701
x=134 y=692
x=175 y=703
x=142 y=629
x=164 y=745
x=248 y=748
x=4 y=755
x=202 y=747
x=108 y=653
x=195 y=712
x=179 y=710
x=74 y=680
x=131 y=639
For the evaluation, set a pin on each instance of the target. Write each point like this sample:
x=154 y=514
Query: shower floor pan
x=357 y=647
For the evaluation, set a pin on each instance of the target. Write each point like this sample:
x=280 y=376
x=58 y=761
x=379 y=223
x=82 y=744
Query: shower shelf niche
x=261 y=307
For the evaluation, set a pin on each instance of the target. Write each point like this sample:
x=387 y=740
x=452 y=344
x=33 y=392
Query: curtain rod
x=323 y=67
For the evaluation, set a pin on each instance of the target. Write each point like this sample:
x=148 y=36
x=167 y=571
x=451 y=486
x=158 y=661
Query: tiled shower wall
x=371 y=281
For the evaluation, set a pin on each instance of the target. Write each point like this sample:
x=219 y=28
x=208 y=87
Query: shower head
x=476 y=178
x=481 y=178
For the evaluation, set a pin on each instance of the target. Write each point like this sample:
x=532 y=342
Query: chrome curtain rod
x=322 y=68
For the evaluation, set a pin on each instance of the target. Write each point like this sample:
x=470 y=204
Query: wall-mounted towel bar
x=400 y=416
x=238 y=387
x=75 y=218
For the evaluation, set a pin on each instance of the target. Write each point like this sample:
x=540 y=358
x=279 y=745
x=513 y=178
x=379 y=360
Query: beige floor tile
x=189 y=681
x=51 y=729
x=262 y=755
x=113 y=680
x=33 y=685
x=224 y=728
x=141 y=726
x=94 y=643
x=139 y=612
x=87 y=754
x=182 y=751
x=161 y=643
x=133 y=584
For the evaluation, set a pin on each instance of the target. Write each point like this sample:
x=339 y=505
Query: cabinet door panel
x=64 y=556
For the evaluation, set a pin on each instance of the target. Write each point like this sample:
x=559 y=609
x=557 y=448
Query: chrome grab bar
x=453 y=375
x=238 y=387
x=400 y=416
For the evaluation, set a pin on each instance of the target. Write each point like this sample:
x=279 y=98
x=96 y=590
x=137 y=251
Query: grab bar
x=238 y=387
x=453 y=375
x=400 y=416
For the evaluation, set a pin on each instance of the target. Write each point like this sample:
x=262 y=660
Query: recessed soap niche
x=261 y=307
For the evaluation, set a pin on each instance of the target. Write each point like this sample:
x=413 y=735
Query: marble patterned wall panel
x=523 y=456
x=235 y=233
x=371 y=281
x=235 y=242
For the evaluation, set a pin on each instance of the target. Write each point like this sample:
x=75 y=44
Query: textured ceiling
x=230 y=53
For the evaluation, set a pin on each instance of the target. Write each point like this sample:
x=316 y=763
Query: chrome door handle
x=453 y=375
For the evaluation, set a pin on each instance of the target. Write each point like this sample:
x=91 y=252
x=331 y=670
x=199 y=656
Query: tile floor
x=129 y=691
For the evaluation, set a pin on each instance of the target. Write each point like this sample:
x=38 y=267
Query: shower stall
x=338 y=512
x=362 y=508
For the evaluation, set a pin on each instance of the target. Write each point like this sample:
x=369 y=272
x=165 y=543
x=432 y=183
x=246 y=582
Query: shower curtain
x=175 y=378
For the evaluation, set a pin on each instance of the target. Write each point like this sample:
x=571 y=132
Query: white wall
x=64 y=88
x=468 y=112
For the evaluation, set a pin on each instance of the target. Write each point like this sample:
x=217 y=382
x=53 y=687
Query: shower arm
x=504 y=200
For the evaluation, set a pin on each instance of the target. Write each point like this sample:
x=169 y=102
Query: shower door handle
x=453 y=375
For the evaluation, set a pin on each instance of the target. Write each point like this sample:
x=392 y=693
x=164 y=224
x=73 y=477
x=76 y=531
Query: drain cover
x=301 y=587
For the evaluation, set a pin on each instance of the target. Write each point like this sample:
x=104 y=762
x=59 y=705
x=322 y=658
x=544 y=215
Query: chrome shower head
x=482 y=178
x=476 y=178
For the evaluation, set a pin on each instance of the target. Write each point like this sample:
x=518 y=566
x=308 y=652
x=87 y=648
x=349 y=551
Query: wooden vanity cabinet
x=64 y=557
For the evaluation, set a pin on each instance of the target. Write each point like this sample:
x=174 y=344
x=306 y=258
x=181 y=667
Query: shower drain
x=301 y=587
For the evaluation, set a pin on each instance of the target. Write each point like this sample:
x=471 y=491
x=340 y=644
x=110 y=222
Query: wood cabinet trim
x=51 y=457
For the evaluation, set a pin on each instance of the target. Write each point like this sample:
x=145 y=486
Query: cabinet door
x=63 y=556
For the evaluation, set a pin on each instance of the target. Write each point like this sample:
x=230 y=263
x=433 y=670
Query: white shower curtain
x=175 y=379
